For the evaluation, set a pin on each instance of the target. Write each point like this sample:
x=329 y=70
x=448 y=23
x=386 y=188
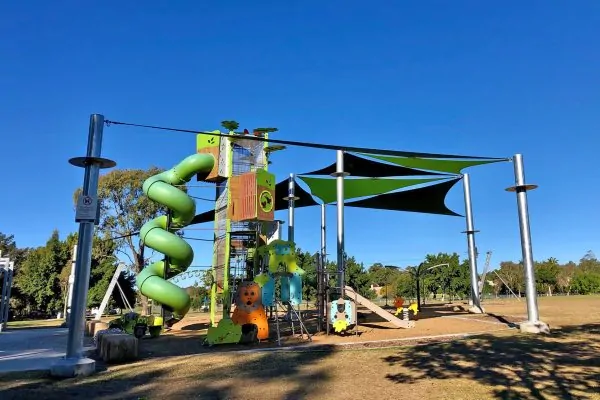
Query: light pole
x=418 y=271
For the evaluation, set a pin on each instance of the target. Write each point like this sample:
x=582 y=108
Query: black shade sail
x=430 y=200
x=358 y=166
x=281 y=191
x=206 y=216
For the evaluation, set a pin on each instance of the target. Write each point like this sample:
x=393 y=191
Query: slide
x=400 y=323
x=151 y=280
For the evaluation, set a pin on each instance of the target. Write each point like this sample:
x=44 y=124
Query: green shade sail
x=432 y=164
x=429 y=200
x=325 y=188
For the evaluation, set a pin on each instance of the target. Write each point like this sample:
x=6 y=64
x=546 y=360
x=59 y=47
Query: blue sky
x=459 y=77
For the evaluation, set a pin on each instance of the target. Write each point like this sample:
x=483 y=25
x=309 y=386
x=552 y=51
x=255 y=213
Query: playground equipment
x=245 y=202
x=153 y=277
x=6 y=279
x=245 y=267
x=114 y=282
x=159 y=235
x=405 y=311
x=351 y=293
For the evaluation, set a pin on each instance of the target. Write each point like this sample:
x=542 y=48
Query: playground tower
x=244 y=217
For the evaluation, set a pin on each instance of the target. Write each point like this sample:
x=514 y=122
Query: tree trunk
x=140 y=264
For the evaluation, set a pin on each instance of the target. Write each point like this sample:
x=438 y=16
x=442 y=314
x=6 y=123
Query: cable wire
x=200 y=239
x=309 y=144
x=201 y=198
x=120 y=237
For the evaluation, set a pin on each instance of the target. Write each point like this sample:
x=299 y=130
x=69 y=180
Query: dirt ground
x=495 y=362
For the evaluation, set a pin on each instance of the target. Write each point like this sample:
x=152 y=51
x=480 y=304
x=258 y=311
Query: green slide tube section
x=151 y=281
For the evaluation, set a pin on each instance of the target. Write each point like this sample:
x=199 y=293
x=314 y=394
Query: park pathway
x=31 y=349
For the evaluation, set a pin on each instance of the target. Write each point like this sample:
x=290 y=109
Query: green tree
x=124 y=208
x=355 y=275
x=586 y=282
x=18 y=301
x=358 y=278
x=546 y=274
x=589 y=263
x=39 y=275
x=586 y=279
x=8 y=248
x=460 y=281
x=377 y=273
x=441 y=277
x=564 y=280
x=197 y=295
x=514 y=275
x=406 y=285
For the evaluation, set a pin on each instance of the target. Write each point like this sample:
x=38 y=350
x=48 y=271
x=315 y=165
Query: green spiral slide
x=151 y=280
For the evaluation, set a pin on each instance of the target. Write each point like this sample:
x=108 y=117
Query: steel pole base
x=73 y=367
x=534 y=327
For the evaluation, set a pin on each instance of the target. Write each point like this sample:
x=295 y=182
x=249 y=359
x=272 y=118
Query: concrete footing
x=534 y=327
x=73 y=367
x=476 y=310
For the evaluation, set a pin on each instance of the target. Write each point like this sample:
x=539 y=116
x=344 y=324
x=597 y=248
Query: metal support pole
x=339 y=175
x=476 y=303
x=533 y=324
x=74 y=363
x=84 y=243
x=321 y=271
x=291 y=199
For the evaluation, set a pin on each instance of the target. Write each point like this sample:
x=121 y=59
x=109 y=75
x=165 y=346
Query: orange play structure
x=249 y=308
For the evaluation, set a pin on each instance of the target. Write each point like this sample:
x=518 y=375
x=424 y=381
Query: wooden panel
x=213 y=175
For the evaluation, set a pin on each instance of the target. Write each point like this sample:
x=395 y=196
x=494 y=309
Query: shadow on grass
x=286 y=375
x=565 y=364
x=195 y=327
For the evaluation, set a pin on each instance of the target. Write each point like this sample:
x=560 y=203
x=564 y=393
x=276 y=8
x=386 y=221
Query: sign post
x=75 y=364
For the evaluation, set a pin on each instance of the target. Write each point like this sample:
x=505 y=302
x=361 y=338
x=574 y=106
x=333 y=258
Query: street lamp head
x=438 y=265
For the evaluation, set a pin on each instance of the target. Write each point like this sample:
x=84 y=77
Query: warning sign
x=87 y=209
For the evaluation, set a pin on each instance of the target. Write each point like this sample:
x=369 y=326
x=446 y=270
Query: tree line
x=41 y=275
x=447 y=277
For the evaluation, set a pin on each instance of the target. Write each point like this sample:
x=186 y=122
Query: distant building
x=378 y=289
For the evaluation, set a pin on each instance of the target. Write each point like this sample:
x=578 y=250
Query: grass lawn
x=46 y=323
x=504 y=364
x=38 y=323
